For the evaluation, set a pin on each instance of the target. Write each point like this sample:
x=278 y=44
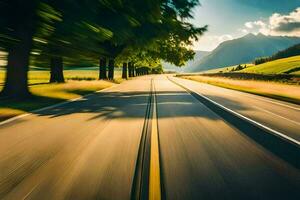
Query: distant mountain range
x=190 y=64
x=242 y=50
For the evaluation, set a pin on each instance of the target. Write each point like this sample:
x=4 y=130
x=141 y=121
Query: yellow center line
x=154 y=182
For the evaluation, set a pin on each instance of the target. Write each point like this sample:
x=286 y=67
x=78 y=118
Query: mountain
x=243 y=50
x=190 y=64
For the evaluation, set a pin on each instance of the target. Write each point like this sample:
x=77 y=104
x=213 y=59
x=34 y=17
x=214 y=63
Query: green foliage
x=87 y=30
x=238 y=68
x=292 y=51
x=166 y=36
x=142 y=32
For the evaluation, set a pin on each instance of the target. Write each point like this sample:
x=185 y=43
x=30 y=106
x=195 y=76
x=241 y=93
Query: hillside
x=289 y=65
x=225 y=69
x=289 y=52
x=243 y=50
x=190 y=64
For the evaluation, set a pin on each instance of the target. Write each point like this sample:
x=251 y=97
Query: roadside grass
x=78 y=83
x=285 y=71
x=284 y=92
x=289 y=65
x=279 y=78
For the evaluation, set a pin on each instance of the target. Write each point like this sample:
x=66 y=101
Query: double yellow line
x=154 y=179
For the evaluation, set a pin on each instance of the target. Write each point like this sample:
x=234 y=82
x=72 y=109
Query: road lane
x=82 y=150
x=280 y=116
x=202 y=157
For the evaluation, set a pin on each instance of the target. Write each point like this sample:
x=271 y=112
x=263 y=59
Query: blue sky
x=227 y=19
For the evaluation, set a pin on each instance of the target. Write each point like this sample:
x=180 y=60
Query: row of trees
x=291 y=51
x=133 y=34
x=238 y=68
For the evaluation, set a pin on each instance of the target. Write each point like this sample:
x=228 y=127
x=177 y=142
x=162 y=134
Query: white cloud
x=243 y=30
x=277 y=25
x=259 y=23
x=249 y=25
x=254 y=25
x=210 y=42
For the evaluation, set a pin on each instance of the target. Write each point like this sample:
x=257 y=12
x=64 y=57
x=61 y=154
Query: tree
x=17 y=37
x=170 y=37
x=66 y=31
x=75 y=37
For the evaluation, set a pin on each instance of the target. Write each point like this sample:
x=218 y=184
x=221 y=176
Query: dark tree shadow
x=111 y=104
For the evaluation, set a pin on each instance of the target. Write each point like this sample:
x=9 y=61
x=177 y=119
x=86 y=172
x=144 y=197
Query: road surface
x=91 y=148
x=281 y=116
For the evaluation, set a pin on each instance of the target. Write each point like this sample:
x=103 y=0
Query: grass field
x=289 y=65
x=289 y=93
x=225 y=69
x=78 y=83
x=36 y=77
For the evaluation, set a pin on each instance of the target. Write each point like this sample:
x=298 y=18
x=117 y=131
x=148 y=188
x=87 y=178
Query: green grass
x=224 y=69
x=78 y=83
x=289 y=65
x=36 y=77
x=280 y=66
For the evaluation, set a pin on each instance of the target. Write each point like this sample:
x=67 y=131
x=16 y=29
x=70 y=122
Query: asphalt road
x=203 y=157
x=88 y=149
x=83 y=150
x=280 y=116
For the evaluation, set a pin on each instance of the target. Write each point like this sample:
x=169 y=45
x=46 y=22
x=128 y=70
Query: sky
x=229 y=19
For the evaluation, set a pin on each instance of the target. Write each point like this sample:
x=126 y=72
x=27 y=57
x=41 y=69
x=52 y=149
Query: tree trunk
x=102 y=69
x=124 y=71
x=22 y=31
x=133 y=71
x=130 y=69
x=56 y=67
x=16 y=82
x=111 y=67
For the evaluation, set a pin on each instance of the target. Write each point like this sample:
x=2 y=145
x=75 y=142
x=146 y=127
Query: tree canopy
x=51 y=32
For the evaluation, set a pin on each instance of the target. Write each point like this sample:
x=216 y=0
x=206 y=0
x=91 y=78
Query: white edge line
x=255 y=96
x=55 y=105
x=274 y=101
x=251 y=121
x=292 y=121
